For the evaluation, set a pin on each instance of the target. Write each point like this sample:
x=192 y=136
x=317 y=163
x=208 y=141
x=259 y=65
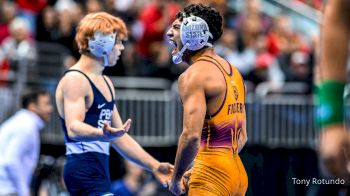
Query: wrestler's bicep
x=194 y=104
x=74 y=96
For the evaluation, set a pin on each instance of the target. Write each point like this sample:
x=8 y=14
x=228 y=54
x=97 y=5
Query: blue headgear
x=101 y=45
x=194 y=35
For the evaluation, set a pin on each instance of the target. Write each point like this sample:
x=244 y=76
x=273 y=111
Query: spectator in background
x=251 y=28
x=78 y=13
x=135 y=182
x=19 y=46
x=227 y=47
x=94 y=6
x=29 y=10
x=20 y=143
x=161 y=66
x=155 y=18
x=66 y=29
x=281 y=39
x=126 y=9
x=47 y=23
x=252 y=8
x=299 y=68
x=266 y=66
x=7 y=14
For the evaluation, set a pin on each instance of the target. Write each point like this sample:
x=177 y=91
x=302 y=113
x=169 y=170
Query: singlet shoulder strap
x=218 y=64
x=110 y=89
x=76 y=70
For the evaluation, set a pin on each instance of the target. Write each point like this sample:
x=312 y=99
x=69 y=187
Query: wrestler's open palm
x=163 y=173
x=111 y=133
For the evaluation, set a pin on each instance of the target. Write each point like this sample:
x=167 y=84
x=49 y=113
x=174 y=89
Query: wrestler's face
x=173 y=35
x=115 y=53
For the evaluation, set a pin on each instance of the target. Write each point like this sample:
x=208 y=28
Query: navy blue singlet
x=86 y=171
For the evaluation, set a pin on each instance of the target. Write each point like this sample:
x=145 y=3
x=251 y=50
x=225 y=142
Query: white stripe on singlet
x=83 y=147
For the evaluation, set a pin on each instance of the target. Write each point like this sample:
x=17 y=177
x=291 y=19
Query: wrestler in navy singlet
x=87 y=168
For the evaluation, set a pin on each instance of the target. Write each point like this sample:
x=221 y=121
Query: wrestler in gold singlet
x=214 y=123
x=217 y=162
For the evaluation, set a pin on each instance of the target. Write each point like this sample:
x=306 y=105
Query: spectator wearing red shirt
x=282 y=39
x=29 y=10
x=155 y=18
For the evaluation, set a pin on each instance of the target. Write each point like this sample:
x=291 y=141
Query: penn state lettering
x=105 y=116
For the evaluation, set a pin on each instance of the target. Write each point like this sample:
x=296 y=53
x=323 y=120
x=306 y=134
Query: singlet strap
x=76 y=70
x=110 y=89
x=218 y=63
x=93 y=86
x=208 y=116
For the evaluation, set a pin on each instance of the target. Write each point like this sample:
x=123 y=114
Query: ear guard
x=194 y=35
x=101 y=45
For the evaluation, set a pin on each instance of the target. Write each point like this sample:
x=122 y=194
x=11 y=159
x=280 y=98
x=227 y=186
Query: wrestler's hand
x=334 y=148
x=111 y=133
x=163 y=173
x=178 y=187
x=186 y=179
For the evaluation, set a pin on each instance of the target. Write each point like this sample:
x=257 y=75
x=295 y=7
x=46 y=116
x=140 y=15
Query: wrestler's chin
x=113 y=63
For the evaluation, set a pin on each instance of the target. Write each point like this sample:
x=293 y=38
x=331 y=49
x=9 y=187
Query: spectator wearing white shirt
x=20 y=143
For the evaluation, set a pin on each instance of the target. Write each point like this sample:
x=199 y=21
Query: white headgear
x=194 y=35
x=101 y=45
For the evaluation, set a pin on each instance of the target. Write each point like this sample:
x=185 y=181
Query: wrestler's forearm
x=242 y=141
x=80 y=131
x=186 y=152
x=132 y=151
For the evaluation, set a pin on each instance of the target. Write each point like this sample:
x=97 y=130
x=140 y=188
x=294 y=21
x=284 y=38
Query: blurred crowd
x=264 y=48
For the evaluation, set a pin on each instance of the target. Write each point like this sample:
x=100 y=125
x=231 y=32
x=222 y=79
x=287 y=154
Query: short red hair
x=102 y=22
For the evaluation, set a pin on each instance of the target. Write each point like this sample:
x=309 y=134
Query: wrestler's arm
x=193 y=97
x=130 y=149
x=335 y=36
x=127 y=146
x=243 y=135
x=74 y=108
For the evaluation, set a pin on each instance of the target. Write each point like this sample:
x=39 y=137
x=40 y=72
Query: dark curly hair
x=209 y=14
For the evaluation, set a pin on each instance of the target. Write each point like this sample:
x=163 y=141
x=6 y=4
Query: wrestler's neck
x=90 y=65
x=208 y=51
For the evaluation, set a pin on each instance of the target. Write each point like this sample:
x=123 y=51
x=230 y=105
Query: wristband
x=330 y=103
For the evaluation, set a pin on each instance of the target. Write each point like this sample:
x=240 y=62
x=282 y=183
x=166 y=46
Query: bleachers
x=274 y=117
x=277 y=114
